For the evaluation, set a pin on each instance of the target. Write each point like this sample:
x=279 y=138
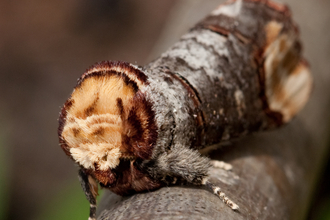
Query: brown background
x=46 y=45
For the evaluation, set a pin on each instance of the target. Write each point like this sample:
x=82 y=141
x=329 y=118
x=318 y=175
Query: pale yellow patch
x=93 y=125
x=273 y=28
x=239 y=97
x=104 y=91
x=297 y=89
x=288 y=81
x=105 y=155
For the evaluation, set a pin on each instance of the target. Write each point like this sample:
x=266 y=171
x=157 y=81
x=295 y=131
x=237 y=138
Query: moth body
x=134 y=129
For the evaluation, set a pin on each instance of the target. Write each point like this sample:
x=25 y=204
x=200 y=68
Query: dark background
x=46 y=45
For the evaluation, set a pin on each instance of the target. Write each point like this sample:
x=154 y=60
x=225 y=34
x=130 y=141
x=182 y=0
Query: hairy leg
x=187 y=165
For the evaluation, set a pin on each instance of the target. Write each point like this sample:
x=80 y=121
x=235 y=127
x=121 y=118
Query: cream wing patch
x=288 y=80
x=105 y=155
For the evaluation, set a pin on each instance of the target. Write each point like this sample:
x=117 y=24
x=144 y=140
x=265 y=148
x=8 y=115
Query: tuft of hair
x=183 y=163
x=108 y=118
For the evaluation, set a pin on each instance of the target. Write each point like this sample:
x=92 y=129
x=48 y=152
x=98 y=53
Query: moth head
x=107 y=119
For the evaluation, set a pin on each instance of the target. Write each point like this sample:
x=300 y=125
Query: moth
x=133 y=129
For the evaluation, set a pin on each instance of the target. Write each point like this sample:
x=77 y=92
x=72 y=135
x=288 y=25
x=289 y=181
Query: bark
x=272 y=177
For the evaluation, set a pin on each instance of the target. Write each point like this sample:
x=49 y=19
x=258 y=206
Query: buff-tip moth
x=133 y=129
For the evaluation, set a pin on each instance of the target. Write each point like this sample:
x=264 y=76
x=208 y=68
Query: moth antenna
x=89 y=186
x=217 y=191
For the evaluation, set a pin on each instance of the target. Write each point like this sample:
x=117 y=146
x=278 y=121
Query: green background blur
x=46 y=45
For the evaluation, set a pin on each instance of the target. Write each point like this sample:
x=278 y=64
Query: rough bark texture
x=266 y=181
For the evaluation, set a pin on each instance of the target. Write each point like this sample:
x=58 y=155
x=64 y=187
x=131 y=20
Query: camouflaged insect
x=133 y=129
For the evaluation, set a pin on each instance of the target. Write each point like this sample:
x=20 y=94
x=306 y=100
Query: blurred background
x=46 y=45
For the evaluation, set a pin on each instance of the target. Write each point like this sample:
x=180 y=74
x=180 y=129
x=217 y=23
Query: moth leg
x=221 y=165
x=189 y=165
x=178 y=166
x=90 y=187
x=217 y=191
